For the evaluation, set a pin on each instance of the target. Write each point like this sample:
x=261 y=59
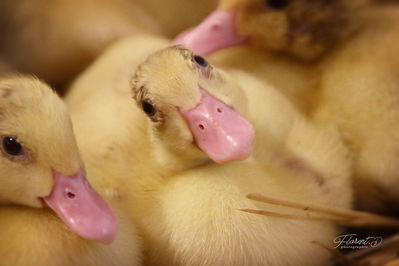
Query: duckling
x=42 y=176
x=359 y=94
x=62 y=37
x=192 y=217
x=287 y=39
x=347 y=79
x=159 y=139
x=156 y=140
x=304 y=29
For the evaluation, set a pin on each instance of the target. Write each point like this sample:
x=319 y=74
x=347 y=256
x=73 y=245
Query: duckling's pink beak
x=222 y=133
x=82 y=208
x=216 y=32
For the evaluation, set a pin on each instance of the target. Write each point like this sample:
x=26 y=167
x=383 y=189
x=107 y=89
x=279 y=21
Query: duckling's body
x=41 y=170
x=195 y=219
x=359 y=93
x=31 y=236
x=185 y=205
x=296 y=79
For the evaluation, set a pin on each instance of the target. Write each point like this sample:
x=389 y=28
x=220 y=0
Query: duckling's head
x=194 y=110
x=40 y=161
x=303 y=28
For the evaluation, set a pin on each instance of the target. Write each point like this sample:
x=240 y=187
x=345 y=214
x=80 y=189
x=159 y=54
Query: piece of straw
x=341 y=216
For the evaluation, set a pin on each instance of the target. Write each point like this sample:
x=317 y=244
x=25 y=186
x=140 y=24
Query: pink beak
x=82 y=208
x=222 y=133
x=216 y=32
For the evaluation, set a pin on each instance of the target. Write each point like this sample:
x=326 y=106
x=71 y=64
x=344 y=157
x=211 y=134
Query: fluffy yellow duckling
x=359 y=93
x=353 y=85
x=62 y=37
x=301 y=28
x=192 y=217
x=110 y=130
x=41 y=169
x=155 y=142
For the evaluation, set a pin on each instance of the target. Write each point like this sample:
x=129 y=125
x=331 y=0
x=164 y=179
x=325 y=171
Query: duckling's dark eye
x=148 y=108
x=12 y=146
x=276 y=4
x=199 y=60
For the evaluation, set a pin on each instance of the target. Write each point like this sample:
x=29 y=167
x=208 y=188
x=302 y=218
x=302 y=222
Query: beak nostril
x=201 y=126
x=71 y=195
x=215 y=27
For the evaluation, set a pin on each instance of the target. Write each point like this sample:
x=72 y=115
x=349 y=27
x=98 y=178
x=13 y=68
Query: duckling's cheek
x=216 y=32
x=81 y=208
x=222 y=133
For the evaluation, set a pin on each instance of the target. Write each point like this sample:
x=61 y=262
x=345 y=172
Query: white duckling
x=40 y=169
x=192 y=217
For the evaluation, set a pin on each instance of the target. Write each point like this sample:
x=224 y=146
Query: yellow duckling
x=353 y=85
x=40 y=169
x=359 y=93
x=192 y=217
x=158 y=143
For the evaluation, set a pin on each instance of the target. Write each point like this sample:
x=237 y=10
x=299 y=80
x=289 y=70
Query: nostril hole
x=71 y=195
x=215 y=27
x=219 y=110
x=201 y=126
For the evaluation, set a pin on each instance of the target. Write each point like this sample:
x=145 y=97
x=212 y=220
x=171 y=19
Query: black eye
x=277 y=4
x=148 y=108
x=12 y=146
x=199 y=60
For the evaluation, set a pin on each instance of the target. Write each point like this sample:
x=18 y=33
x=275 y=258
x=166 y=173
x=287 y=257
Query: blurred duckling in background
x=360 y=94
x=41 y=169
x=192 y=217
x=278 y=41
x=58 y=39
x=304 y=29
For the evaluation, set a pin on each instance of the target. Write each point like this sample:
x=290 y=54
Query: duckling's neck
x=172 y=162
